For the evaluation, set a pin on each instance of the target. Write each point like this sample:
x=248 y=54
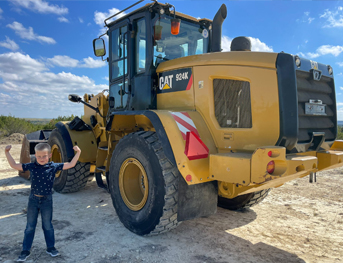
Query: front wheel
x=143 y=184
x=242 y=202
x=71 y=180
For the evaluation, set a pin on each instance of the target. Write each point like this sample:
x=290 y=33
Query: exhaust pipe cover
x=216 y=45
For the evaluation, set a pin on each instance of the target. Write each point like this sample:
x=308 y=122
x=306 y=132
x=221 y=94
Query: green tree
x=51 y=124
x=11 y=124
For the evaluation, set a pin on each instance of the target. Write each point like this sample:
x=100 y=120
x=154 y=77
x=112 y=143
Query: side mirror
x=74 y=98
x=99 y=47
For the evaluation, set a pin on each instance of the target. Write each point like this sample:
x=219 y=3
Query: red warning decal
x=195 y=148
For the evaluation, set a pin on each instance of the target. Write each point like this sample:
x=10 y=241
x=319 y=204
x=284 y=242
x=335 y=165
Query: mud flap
x=197 y=200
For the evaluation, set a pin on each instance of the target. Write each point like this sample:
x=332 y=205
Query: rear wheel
x=243 y=201
x=71 y=180
x=143 y=184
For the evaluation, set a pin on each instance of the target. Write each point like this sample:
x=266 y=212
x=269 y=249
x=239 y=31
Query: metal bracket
x=313 y=177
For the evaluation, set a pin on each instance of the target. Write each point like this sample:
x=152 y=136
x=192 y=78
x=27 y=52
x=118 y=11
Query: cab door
x=119 y=70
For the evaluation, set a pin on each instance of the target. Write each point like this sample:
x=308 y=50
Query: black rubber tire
x=71 y=180
x=242 y=202
x=159 y=213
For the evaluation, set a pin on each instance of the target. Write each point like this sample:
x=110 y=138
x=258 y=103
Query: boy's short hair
x=43 y=146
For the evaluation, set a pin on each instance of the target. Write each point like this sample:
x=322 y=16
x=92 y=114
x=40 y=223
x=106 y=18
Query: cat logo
x=166 y=82
x=314 y=64
x=175 y=80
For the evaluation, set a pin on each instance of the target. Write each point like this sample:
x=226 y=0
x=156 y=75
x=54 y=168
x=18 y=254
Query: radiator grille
x=232 y=103
x=309 y=89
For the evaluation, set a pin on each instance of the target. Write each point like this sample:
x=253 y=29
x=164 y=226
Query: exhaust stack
x=218 y=20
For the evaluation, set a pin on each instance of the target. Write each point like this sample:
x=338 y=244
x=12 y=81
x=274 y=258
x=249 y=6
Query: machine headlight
x=297 y=61
x=330 y=70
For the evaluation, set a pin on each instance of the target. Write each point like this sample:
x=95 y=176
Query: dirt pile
x=15 y=138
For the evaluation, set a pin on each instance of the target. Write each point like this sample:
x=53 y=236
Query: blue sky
x=46 y=46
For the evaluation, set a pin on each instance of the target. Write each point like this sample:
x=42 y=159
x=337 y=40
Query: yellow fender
x=84 y=139
x=176 y=126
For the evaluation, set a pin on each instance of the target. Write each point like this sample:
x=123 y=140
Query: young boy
x=42 y=174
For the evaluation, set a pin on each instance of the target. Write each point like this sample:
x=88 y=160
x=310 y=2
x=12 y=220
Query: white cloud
x=27 y=33
x=340 y=74
x=65 y=61
x=1 y=13
x=62 y=61
x=326 y=50
x=310 y=19
x=256 y=44
x=92 y=63
x=81 y=20
x=301 y=54
x=312 y=55
x=99 y=17
x=226 y=43
x=41 y=6
x=333 y=18
x=306 y=18
x=340 y=64
x=10 y=44
x=63 y=19
x=24 y=77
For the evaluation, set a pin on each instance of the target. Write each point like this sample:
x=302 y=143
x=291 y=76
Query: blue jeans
x=44 y=205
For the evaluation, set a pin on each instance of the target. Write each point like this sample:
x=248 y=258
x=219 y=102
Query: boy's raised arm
x=72 y=163
x=13 y=164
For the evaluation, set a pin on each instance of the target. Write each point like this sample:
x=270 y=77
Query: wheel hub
x=133 y=184
x=56 y=157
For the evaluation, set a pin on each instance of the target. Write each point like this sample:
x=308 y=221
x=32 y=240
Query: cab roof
x=147 y=6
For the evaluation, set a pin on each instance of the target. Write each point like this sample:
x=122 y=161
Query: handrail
x=122 y=11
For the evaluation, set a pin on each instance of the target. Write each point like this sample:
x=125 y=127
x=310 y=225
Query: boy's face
x=42 y=157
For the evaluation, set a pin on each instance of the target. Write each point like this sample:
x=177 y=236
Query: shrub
x=51 y=124
x=11 y=124
x=340 y=133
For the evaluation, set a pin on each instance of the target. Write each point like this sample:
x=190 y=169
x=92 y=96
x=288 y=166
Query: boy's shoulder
x=55 y=164
x=27 y=166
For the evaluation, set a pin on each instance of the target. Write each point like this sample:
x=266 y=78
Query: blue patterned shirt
x=42 y=176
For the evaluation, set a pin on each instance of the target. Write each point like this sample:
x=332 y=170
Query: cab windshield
x=192 y=39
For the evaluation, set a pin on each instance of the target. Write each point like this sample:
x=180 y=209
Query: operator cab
x=139 y=42
x=192 y=39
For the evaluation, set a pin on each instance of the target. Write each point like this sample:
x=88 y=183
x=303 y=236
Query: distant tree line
x=11 y=124
x=340 y=133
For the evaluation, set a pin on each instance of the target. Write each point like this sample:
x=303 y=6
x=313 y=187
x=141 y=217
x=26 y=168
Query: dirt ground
x=298 y=222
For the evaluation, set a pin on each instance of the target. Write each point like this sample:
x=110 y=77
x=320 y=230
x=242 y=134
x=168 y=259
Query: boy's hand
x=8 y=148
x=76 y=148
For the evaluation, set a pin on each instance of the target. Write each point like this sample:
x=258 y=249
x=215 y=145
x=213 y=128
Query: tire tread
x=168 y=220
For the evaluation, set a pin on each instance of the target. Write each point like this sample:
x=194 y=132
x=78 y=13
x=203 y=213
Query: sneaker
x=23 y=255
x=52 y=251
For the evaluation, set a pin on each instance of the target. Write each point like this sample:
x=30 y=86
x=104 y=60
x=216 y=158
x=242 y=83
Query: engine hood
x=238 y=58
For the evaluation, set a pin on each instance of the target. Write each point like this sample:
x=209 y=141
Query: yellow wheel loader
x=185 y=127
